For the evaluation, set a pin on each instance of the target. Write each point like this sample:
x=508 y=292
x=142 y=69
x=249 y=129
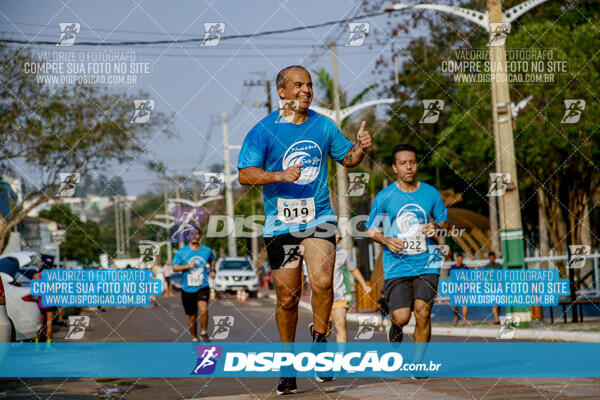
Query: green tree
x=81 y=242
x=75 y=129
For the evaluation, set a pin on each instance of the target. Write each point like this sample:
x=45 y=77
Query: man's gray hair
x=281 y=76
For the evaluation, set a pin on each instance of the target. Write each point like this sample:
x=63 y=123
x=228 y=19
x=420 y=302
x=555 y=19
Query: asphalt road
x=254 y=321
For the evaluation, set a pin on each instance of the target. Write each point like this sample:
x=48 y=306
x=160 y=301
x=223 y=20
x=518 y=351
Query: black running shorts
x=277 y=246
x=190 y=300
x=401 y=292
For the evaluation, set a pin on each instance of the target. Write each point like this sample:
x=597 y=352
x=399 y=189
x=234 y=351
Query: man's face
x=195 y=238
x=405 y=166
x=459 y=260
x=492 y=259
x=298 y=86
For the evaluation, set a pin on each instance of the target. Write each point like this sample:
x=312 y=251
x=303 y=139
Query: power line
x=199 y=40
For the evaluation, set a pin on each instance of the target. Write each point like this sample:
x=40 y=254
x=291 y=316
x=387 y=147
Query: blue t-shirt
x=196 y=278
x=275 y=144
x=403 y=215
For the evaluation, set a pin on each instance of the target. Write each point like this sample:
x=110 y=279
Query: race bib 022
x=195 y=277
x=296 y=211
x=414 y=244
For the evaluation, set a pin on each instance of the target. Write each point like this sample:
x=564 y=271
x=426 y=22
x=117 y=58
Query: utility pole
x=127 y=214
x=269 y=105
x=511 y=233
x=177 y=195
x=340 y=170
x=166 y=200
x=117 y=238
x=268 y=89
x=267 y=85
x=232 y=251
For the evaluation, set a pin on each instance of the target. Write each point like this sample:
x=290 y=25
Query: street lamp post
x=493 y=21
x=338 y=115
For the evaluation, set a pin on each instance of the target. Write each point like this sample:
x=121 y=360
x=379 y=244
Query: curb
x=525 y=334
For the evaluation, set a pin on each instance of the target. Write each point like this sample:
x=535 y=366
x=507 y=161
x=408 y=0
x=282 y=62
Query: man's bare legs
x=192 y=325
x=203 y=310
x=423 y=327
x=496 y=312
x=320 y=259
x=288 y=286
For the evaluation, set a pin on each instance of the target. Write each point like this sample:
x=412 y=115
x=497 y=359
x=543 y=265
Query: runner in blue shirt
x=409 y=212
x=286 y=153
x=196 y=261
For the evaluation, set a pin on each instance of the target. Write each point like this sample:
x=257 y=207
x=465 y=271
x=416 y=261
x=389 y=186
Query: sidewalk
x=573 y=332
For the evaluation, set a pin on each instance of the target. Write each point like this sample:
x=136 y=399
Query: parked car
x=21 y=306
x=5 y=325
x=234 y=273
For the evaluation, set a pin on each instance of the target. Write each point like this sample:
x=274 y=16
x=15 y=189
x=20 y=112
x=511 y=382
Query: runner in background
x=459 y=265
x=340 y=307
x=167 y=272
x=492 y=265
x=196 y=261
x=47 y=312
x=404 y=219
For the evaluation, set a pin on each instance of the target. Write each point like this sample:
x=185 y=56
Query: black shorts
x=278 y=253
x=190 y=300
x=401 y=292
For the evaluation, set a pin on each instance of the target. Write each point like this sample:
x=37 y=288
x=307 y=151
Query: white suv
x=236 y=273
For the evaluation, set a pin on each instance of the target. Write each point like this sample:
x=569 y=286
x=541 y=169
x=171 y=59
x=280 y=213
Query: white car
x=5 y=325
x=21 y=307
x=234 y=273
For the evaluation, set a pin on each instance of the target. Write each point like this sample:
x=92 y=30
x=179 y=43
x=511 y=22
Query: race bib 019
x=414 y=244
x=195 y=277
x=296 y=211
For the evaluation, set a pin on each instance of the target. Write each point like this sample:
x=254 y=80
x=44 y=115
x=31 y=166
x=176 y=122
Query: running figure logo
x=579 y=253
x=508 y=326
x=432 y=111
x=293 y=255
x=68 y=33
x=222 y=326
x=437 y=255
x=358 y=183
x=68 y=184
x=212 y=33
x=213 y=182
x=499 y=182
x=143 y=109
x=148 y=255
x=207 y=359
x=287 y=110
x=77 y=326
x=366 y=327
x=573 y=110
x=357 y=33
x=498 y=32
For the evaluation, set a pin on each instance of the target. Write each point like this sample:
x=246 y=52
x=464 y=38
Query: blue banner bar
x=221 y=359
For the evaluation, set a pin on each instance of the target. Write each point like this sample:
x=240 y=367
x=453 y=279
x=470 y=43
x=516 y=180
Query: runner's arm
x=354 y=156
x=180 y=268
x=360 y=278
x=393 y=244
x=358 y=151
x=213 y=272
x=257 y=176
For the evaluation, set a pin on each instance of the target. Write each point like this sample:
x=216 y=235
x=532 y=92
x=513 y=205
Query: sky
x=198 y=83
